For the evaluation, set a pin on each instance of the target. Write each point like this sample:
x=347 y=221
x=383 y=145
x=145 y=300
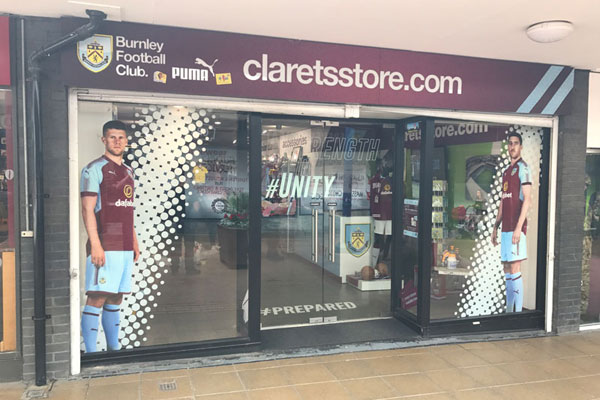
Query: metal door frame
x=349 y=121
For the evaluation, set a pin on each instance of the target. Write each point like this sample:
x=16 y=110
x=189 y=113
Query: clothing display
x=199 y=172
x=380 y=197
x=380 y=200
x=385 y=200
x=383 y=227
x=373 y=194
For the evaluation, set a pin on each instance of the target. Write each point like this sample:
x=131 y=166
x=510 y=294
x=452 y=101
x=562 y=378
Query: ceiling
x=464 y=27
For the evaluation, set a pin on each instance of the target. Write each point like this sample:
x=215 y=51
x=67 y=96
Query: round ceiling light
x=549 y=31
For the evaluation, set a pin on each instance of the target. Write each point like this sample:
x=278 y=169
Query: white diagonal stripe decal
x=541 y=88
x=560 y=94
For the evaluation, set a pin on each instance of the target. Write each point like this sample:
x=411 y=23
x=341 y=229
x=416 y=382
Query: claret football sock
x=517 y=288
x=111 y=318
x=89 y=327
x=510 y=294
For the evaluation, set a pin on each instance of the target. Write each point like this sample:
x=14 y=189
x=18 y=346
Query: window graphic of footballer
x=112 y=246
x=512 y=215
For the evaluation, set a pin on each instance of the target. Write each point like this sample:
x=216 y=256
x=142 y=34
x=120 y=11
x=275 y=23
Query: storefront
x=283 y=184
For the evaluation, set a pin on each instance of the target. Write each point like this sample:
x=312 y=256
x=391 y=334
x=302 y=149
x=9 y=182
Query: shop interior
x=323 y=257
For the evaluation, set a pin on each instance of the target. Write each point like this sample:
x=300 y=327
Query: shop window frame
x=332 y=112
x=589 y=326
x=526 y=320
x=250 y=338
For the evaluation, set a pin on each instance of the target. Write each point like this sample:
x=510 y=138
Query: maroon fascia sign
x=137 y=57
x=4 y=52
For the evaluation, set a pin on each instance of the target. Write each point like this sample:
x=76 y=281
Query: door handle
x=312 y=237
x=316 y=236
x=332 y=234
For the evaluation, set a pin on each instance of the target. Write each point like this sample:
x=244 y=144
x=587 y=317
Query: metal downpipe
x=37 y=174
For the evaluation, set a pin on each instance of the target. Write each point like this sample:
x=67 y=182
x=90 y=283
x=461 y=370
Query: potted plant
x=232 y=231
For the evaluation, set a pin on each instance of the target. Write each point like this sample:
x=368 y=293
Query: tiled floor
x=564 y=367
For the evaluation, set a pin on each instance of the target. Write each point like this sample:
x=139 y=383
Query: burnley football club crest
x=358 y=238
x=95 y=53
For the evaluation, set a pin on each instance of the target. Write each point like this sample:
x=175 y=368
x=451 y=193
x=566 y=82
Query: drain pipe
x=37 y=172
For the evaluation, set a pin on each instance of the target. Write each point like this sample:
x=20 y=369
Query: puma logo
x=203 y=63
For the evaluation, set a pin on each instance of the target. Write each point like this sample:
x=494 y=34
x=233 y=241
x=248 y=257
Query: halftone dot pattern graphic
x=484 y=290
x=165 y=144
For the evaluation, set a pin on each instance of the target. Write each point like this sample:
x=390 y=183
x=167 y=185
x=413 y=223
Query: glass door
x=292 y=224
x=357 y=159
x=326 y=252
x=408 y=252
x=590 y=281
x=412 y=216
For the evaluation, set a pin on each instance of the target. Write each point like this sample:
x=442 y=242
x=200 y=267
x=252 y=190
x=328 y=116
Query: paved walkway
x=564 y=367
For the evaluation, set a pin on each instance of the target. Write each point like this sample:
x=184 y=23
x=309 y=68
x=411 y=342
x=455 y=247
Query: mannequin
x=380 y=198
x=383 y=224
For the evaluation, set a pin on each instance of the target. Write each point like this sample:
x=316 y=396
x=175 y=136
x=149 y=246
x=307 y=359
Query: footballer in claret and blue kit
x=107 y=188
x=512 y=215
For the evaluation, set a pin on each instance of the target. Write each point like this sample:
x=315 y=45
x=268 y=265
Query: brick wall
x=39 y=32
x=569 y=212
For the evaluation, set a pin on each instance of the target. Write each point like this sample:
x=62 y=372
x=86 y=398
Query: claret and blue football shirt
x=113 y=184
x=373 y=194
x=513 y=178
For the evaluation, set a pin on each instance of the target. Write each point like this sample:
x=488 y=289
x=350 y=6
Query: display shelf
x=452 y=271
x=366 y=286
